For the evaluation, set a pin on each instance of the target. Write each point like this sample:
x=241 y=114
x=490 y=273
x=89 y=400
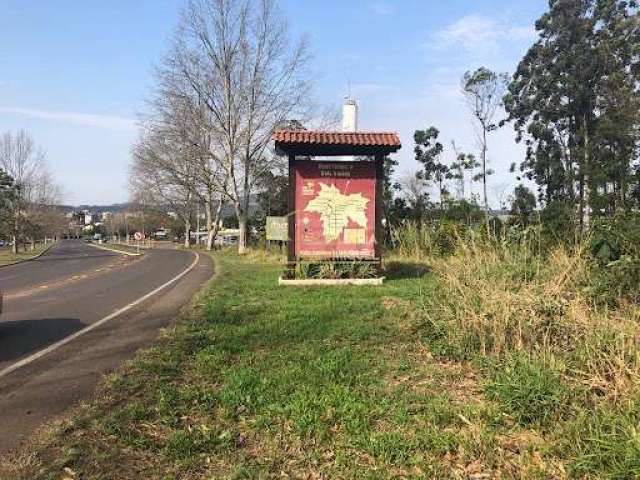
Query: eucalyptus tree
x=428 y=152
x=574 y=102
x=483 y=91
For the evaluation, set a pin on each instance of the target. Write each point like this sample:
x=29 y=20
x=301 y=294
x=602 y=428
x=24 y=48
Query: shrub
x=335 y=270
x=558 y=222
x=615 y=249
x=615 y=237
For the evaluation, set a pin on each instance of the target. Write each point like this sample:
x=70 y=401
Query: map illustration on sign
x=336 y=209
x=335 y=205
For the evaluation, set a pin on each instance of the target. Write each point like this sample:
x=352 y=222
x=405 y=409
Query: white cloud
x=109 y=122
x=383 y=8
x=478 y=33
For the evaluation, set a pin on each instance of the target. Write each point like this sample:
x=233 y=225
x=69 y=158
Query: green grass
x=258 y=381
x=7 y=257
x=532 y=393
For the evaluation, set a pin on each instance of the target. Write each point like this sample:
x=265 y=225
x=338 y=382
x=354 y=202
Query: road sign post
x=138 y=237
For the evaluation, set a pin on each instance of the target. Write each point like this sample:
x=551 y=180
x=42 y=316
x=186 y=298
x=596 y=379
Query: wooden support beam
x=291 y=209
x=379 y=159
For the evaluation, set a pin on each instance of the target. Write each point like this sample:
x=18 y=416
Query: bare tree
x=36 y=190
x=483 y=91
x=415 y=191
x=179 y=116
x=161 y=174
x=237 y=59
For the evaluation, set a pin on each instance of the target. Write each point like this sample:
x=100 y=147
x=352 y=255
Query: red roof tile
x=310 y=137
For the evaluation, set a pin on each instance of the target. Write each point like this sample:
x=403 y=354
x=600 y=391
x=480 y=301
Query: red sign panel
x=335 y=209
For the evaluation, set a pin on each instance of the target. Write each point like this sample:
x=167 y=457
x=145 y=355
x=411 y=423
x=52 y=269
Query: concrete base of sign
x=317 y=282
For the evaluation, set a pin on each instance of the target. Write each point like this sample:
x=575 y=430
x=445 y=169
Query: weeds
x=335 y=270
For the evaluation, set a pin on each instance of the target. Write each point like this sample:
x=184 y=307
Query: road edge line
x=123 y=252
x=54 y=346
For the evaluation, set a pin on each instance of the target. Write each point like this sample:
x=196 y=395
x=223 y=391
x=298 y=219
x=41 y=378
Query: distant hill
x=115 y=208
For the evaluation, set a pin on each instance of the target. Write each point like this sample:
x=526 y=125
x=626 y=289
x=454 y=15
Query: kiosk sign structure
x=335 y=204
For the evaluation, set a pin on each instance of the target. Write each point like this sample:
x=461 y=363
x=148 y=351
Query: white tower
x=349 y=115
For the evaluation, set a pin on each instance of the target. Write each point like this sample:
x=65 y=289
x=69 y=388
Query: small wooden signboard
x=277 y=229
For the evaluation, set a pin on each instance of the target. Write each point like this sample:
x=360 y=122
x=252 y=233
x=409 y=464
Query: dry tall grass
x=498 y=299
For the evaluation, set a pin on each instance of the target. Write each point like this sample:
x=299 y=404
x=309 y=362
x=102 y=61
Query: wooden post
x=379 y=159
x=291 y=209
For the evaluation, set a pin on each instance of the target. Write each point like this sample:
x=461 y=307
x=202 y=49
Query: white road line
x=93 y=326
x=115 y=250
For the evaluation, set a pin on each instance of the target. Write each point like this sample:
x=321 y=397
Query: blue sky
x=76 y=73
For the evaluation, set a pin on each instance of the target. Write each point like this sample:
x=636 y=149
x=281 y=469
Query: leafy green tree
x=574 y=102
x=523 y=205
x=428 y=151
x=272 y=199
x=8 y=194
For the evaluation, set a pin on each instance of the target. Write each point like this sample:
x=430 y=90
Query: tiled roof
x=310 y=137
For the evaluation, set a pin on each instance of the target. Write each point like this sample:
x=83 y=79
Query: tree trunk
x=586 y=197
x=484 y=178
x=209 y=221
x=14 y=247
x=241 y=206
x=242 y=239
x=187 y=233
x=213 y=232
x=484 y=170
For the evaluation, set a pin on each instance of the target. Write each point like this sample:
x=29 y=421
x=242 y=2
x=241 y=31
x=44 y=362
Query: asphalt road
x=70 y=287
x=63 y=260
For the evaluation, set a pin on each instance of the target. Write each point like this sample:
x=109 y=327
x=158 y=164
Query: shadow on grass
x=399 y=270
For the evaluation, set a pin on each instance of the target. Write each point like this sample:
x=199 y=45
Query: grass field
x=260 y=382
x=7 y=257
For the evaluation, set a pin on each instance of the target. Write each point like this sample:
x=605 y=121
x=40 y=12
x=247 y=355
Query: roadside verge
x=29 y=258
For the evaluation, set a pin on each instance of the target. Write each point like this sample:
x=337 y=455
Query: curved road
x=70 y=287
